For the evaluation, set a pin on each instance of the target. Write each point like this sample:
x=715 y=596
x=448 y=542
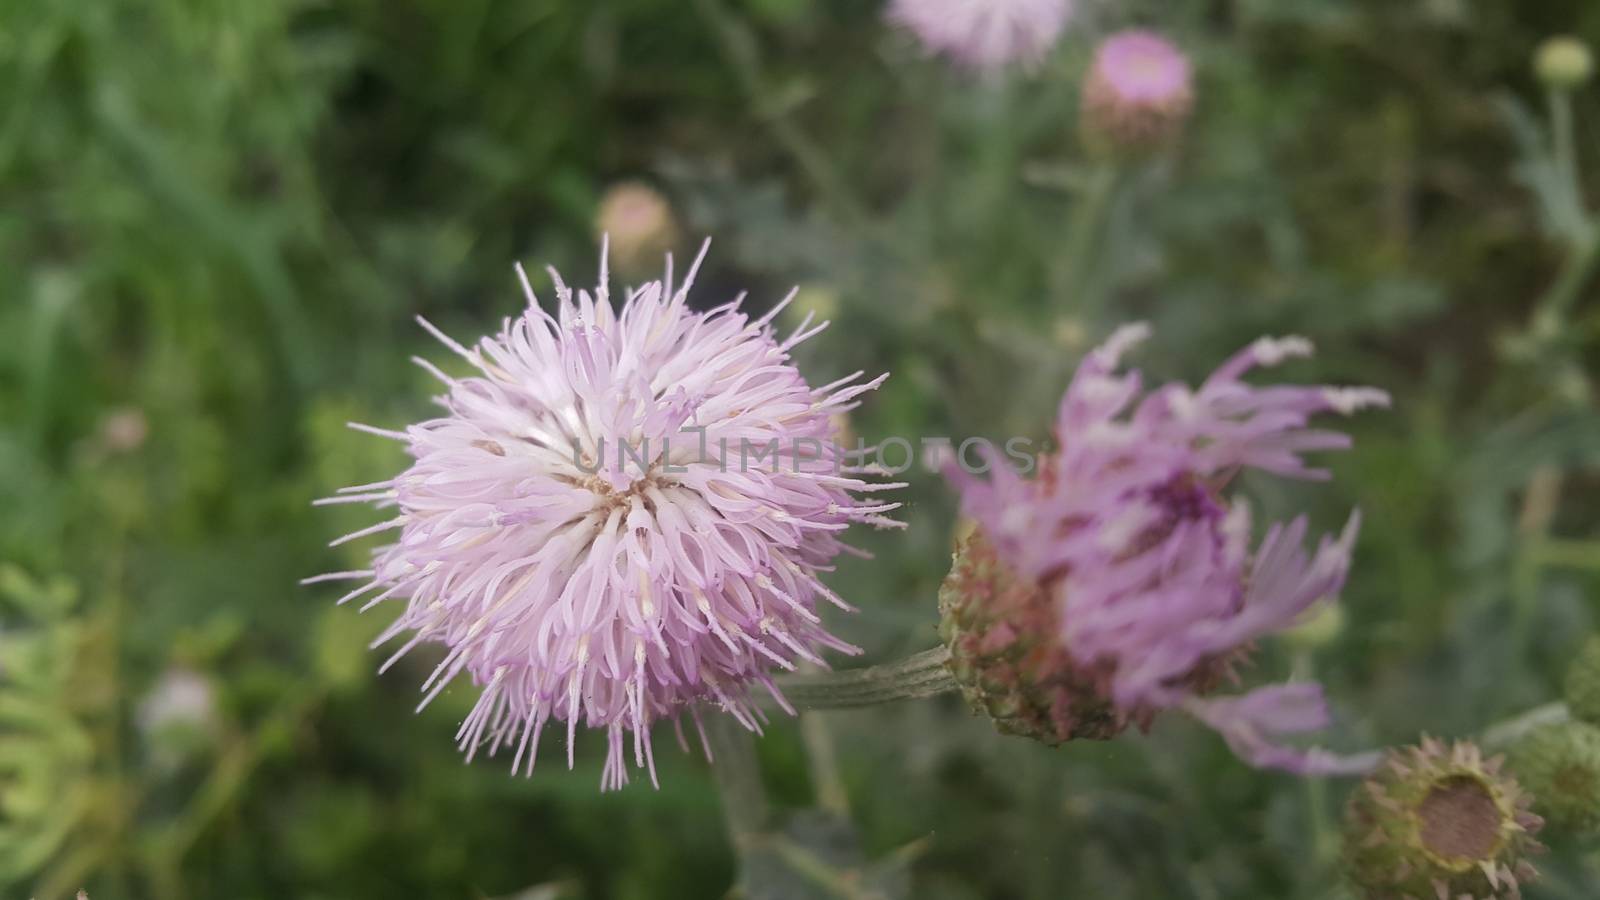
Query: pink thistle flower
x=1128 y=531
x=1138 y=92
x=985 y=34
x=619 y=516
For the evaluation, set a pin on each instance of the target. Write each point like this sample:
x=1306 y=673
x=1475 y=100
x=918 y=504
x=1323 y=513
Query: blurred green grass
x=220 y=217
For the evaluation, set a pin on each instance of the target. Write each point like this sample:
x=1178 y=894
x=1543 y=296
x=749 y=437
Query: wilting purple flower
x=985 y=35
x=1138 y=91
x=620 y=515
x=1128 y=527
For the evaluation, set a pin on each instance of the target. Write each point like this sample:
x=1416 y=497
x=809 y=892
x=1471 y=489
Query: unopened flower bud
x=124 y=430
x=818 y=302
x=1138 y=94
x=179 y=715
x=1563 y=62
x=1560 y=766
x=1070 y=333
x=1322 y=626
x=641 y=226
x=1440 y=821
x=1583 y=683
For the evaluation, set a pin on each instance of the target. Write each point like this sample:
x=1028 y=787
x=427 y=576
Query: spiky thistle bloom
x=1138 y=92
x=1440 y=821
x=985 y=35
x=619 y=515
x=1129 y=554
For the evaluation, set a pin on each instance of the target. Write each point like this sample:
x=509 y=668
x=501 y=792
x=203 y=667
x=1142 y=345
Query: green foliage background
x=221 y=216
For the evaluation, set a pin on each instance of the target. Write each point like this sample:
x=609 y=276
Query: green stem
x=1539 y=505
x=826 y=780
x=1083 y=237
x=229 y=777
x=1503 y=734
x=1585 y=255
x=819 y=873
x=1324 y=842
x=918 y=675
x=1580 y=265
x=743 y=57
x=738 y=776
x=1568 y=554
x=1565 y=149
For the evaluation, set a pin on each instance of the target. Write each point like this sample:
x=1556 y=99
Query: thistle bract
x=1560 y=766
x=1583 y=683
x=619 y=515
x=1154 y=591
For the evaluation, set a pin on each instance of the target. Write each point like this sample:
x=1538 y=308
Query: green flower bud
x=1560 y=766
x=1583 y=683
x=1438 y=821
x=1322 y=626
x=1563 y=62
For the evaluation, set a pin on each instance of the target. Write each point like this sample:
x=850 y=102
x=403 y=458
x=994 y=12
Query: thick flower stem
x=1564 y=146
x=827 y=783
x=738 y=776
x=918 y=675
x=1084 y=233
x=1503 y=734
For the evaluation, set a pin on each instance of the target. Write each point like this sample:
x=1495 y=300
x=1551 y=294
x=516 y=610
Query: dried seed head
x=1440 y=821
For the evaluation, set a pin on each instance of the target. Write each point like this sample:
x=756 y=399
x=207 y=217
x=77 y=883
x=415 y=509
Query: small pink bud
x=640 y=224
x=1138 y=94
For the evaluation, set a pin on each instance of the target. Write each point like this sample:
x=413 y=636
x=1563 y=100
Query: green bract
x=1583 y=683
x=1560 y=766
